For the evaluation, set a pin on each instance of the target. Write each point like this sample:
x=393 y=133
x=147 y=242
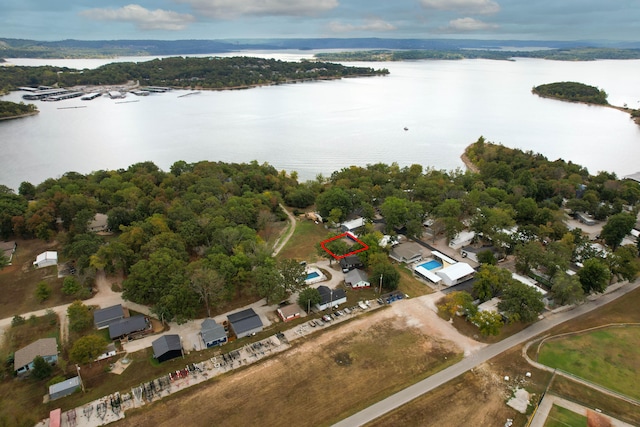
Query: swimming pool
x=431 y=265
x=312 y=275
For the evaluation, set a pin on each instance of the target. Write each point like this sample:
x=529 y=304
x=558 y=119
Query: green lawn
x=562 y=417
x=609 y=357
x=301 y=246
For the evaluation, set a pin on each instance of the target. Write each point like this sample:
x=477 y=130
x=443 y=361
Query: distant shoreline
x=19 y=116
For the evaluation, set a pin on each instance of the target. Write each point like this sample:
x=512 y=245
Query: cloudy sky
x=232 y=19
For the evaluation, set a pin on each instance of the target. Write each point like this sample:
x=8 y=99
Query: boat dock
x=90 y=96
x=42 y=94
x=62 y=96
x=156 y=89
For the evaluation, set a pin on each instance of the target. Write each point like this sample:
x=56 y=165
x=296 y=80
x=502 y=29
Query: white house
x=462 y=239
x=46 y=259
x=456 y=273
x=330 y=297
x=352 y=225
x=357 y=279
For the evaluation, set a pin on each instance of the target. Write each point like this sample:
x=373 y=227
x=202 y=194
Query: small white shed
x=46 y=259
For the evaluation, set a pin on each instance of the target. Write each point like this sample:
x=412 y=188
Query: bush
x=43 y=291
x=18 y=320
x=70 y=286
x=41 y=368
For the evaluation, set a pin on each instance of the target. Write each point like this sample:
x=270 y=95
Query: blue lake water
x=320 y=127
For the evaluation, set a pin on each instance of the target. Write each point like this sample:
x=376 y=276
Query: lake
x=320 y=127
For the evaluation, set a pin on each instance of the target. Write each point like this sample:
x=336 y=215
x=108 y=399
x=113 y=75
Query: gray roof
x=245 y=320
x=407 y=250
x=108 y=313
x=211 y=331
x=355 y=276
x=350 y=260
x=71 y=383
x=43 y=347
x=127 y=325
x=165 y=344
x=329 y=295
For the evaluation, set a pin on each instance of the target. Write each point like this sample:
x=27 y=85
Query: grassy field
x=609 y=357
x=301 y=246
x=562 y=417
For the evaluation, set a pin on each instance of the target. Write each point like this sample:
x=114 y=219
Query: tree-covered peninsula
x=179 y=72
x=10 y=110
x=572 y=91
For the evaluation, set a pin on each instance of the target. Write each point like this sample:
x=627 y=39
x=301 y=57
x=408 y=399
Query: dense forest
x=572 y=91
x=13 y=109
x=575 y=54
x=210 y=72
x=194 y=237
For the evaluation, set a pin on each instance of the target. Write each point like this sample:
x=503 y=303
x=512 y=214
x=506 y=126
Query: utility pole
x=80 y=378
x=380 y=290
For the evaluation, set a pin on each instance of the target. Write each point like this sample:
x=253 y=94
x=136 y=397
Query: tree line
x=14 y=109
x=572 y=91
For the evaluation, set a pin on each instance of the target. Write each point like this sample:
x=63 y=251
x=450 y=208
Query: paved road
x=404 y=396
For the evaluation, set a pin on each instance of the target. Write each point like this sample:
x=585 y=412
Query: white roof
x=428 y=274
x=463 y=236
x=354 y=223
x=456 y=271
x=47 y=255
x=528 y=282
x=491 y=305
x=443 y=257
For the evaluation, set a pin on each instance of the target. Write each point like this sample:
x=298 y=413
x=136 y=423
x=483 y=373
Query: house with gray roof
x=103 y=317
x=124 y=327
x=64 y=388
x=212 y=333
x=8 y=249
x=407 y=252
x=245 y=323
x=47 y=348
x=357 y=279
x=330 y=297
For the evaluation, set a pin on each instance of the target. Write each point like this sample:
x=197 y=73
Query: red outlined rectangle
x=340 y=236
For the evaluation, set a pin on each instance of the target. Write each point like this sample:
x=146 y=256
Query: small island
x=12 y=110
x=580 y=92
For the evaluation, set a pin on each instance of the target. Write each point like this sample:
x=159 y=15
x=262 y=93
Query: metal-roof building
x=245 y=322
x=103 y=317
x=167 y=347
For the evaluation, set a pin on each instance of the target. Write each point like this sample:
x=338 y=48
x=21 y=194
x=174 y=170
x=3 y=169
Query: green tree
x=80 y=317
x=490 y=281
x=488 y=322
x=308 y=298
x=623 y=263
x=335 y=197
x=521 y=302
x=43 y=291
x=528 y=256
x=41 y=368
x=381 y=267
x=207 y=283
x=4 y=261
x=70 y=286
x=87 y=349
x=268 y=282
x=566 y=289
x=487 y=257
x=292 y=275
x=458 y=302
x=618 y=226
x=594 y=276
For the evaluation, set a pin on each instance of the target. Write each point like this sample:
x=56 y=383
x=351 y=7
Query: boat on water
x=406 y=128
x=90 y=96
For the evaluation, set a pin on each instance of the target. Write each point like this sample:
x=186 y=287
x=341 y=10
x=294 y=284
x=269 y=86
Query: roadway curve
x=428 y=384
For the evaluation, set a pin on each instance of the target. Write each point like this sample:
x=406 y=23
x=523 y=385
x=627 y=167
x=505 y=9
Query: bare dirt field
x=323 y=379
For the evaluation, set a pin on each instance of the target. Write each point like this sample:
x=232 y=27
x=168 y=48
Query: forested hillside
x=182 y=72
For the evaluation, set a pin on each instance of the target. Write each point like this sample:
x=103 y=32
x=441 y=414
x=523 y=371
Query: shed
x=103 y=317
x=289 y=312
x=462 y=239
x=212 y=333
x=350 y=262
x=46 y=259
x=352 y=225
x=471 y=252
x=126 y=326
x=407 y=252
x=526 y=281
x=8 y=249
x=47 y=348
x=490 y=305
x=167 y=347
x=109 y=352
x=330 y=297
x=425 y=273
x=357 y=279
x=64 y=388
x=456 y=273
x=245 y=322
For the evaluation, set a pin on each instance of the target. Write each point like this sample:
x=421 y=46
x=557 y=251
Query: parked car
x=326 y=318
x=347 y=311
x=362 y=305
x=340 y=313
x=312 y=323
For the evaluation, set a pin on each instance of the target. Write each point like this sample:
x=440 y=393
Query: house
x=46 y=259
x=8 y=249
x=47 y=348
x=167 y=347
x=352 y=225
x=330 y=297
x=407 y=252
x=471 y=252
x=463 y=238
x=64 y=388
x=103 y=317
x=212 y=333
x=456 y=273
x=357 y=279
x=289 y=312
x=245 y=323
x=490 y=305
x=109 y=352
x=350 y=262
x=99 y=223
x=527 y=281
x=124 y=327
x=586 y=219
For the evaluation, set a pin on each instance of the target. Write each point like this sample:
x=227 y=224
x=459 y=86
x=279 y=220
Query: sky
x=614 y=20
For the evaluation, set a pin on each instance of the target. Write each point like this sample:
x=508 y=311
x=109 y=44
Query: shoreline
x=467 y=162
x=33 y=113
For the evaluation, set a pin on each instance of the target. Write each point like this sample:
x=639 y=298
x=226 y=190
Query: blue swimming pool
x=431 y=265
x=312 y=275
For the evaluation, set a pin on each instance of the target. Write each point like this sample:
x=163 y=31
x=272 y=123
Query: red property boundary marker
x=340 y=236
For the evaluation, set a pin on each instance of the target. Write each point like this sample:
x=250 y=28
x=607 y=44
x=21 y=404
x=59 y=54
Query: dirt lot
x=321 y=380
